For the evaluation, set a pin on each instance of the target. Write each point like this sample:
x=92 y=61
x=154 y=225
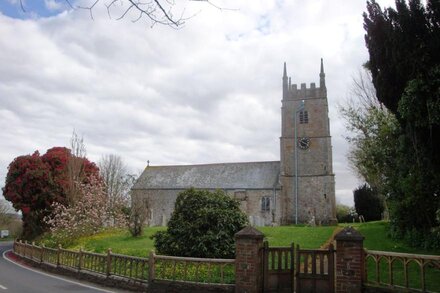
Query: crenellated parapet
x=293 y=92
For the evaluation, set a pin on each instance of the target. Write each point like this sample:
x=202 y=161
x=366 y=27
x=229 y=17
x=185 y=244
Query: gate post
x=248 y=260
x=350 y=260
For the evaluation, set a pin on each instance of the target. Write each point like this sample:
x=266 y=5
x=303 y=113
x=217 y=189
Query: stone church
x=300 y=188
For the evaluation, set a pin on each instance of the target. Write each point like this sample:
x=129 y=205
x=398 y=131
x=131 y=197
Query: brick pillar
x=248 y=261
x=350 y=261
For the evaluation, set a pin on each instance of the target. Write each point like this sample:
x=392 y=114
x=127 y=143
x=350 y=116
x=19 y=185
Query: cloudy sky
x=207 y=92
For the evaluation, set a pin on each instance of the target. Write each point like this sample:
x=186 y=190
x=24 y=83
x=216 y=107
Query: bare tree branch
x=164 y=12
x=154 y=10
x=70 y=4
x=90 y=8
x=216 y=6
x=22 y=6
x=110 y=5
x=126 y=11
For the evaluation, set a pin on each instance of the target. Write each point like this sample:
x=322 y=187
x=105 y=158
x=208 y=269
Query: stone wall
x=158 y=286
x=161 y=205
x=316 y=198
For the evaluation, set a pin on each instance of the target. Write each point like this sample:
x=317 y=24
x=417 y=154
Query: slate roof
x=252 y=175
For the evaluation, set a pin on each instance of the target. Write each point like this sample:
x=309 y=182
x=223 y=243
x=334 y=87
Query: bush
x=203 y=224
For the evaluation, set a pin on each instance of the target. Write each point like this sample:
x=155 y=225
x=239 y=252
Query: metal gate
x=309 y=271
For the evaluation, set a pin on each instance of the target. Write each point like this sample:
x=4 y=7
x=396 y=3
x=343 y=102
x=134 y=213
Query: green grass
x=375 y=233
x=376 y=238
x=120 y=241
x=307 y=237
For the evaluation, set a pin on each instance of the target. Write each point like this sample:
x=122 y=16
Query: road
x=23 y=279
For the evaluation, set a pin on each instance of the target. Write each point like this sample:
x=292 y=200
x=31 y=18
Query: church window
x=265 y=204
x=303 y=117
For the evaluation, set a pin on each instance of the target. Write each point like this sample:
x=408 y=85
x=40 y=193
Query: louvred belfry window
x=303 y=117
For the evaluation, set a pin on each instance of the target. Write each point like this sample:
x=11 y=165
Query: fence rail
x=403 y=270
x=130 y=267
x=139 y=269
x=189 y=269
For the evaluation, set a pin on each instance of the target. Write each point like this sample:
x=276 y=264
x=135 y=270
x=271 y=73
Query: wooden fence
x=134 y=268
x=412 y=272
x=139 y=269
x=190 y=269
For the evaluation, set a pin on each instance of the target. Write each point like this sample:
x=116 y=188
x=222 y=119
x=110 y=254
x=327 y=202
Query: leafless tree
x=363 y=115
x=156 y=11
x=139 y=213
x=115 y=175
x=5 y=211
x=75 y=166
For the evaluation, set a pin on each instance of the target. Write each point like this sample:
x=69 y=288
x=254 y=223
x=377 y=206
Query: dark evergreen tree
x=368 y=203
x=404 y=46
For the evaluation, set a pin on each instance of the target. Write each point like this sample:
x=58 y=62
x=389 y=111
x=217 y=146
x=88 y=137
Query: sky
x=207 y=92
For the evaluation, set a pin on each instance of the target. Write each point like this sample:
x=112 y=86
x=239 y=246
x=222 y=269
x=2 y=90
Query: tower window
x=265 y=204
x=303 y=117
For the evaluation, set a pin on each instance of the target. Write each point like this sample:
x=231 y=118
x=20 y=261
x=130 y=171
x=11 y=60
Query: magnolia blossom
x=92 y=211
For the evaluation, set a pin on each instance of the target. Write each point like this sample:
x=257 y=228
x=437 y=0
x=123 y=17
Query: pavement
x=15 y=276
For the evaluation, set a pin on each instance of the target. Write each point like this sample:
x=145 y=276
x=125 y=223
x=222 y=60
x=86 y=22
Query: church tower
x=307 y=179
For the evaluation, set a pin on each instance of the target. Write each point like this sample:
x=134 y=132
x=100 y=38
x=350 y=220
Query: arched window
x=265 y=204
x=303 y=117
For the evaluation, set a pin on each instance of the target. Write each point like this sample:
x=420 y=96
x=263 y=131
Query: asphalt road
x=23 y=279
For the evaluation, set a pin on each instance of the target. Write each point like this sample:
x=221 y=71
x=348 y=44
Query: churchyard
x=375 y=233
x=376 y=238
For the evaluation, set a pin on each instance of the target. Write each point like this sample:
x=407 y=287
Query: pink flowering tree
x=92 y=212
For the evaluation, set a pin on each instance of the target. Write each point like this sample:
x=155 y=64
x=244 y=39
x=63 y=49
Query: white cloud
x=54 y=5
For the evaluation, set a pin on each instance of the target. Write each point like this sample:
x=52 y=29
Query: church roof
x=252 y=175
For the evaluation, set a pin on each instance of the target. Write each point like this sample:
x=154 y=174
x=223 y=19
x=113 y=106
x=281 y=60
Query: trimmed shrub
x=203 y=224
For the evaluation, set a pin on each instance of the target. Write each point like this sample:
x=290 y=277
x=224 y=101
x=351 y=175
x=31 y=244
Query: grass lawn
x=120 y=241
x=305 y=236
x=376 y=238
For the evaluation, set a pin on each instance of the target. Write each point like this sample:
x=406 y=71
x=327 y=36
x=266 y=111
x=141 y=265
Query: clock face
x=304 y=143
